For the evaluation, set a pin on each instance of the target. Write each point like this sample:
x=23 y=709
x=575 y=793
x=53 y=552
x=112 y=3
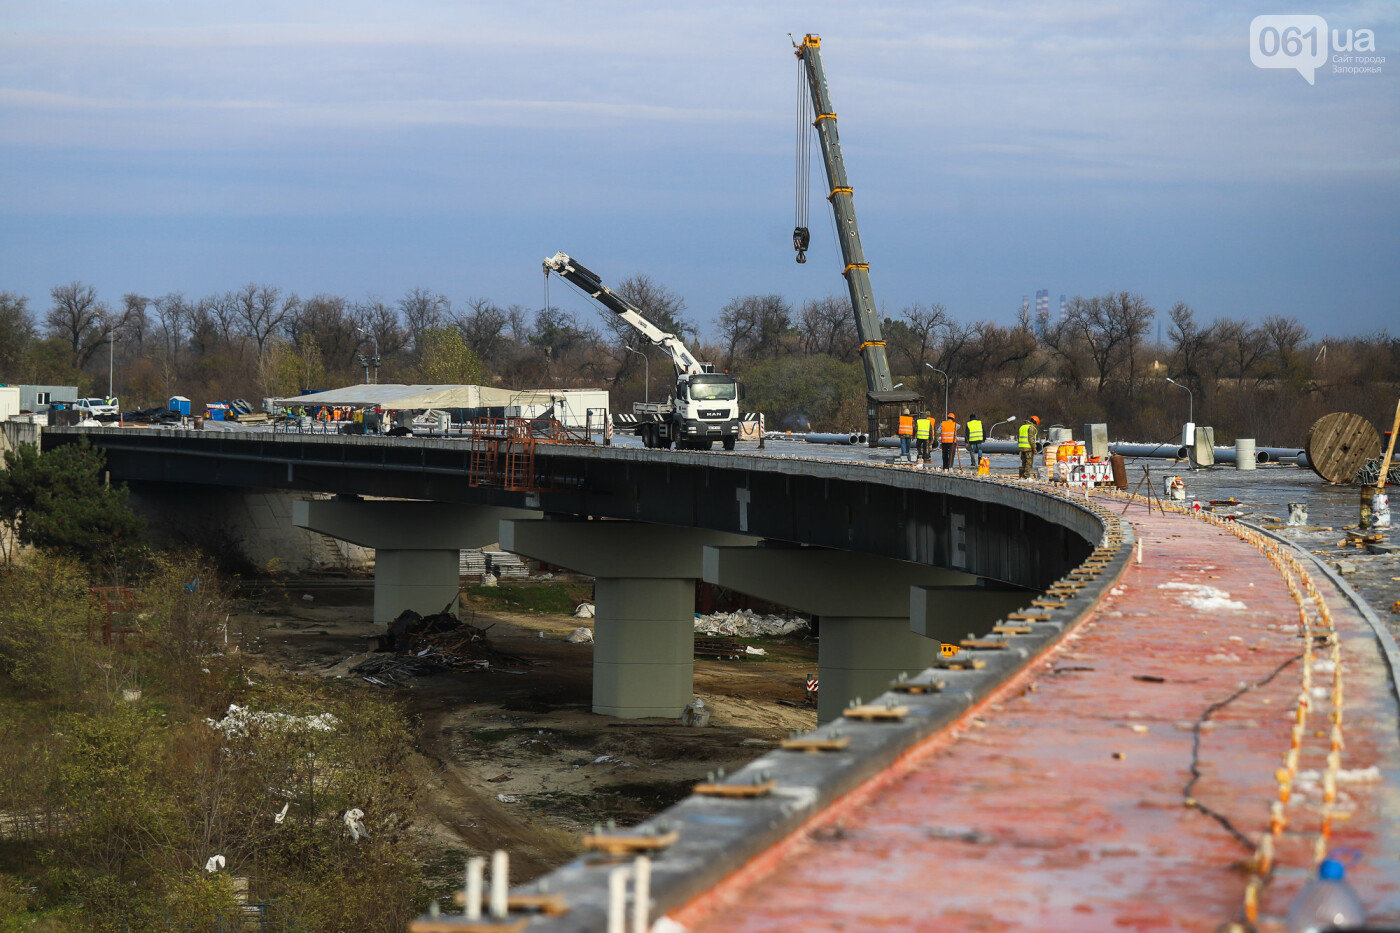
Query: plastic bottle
x=1327 y=902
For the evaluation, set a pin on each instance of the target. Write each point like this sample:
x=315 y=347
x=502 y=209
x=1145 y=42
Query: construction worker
x=948 y=439
x=923 y=431
x=906 y=434
x=974 y=439
x=1026 y=443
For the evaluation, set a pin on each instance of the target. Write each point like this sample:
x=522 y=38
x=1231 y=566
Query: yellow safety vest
x=1027 y=436
x=974 y=432
x=925 y=428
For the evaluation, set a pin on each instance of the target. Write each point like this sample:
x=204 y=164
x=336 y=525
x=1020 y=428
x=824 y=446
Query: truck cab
x=707 y=409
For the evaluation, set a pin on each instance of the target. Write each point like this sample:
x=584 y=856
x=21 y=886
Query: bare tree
x=135 y=321
x=80 y=320
x=225 y=311
x=484 y=326
x=1191 y=343
x=261 y=311
x=658 y=304
x=915 y=340
x=422 y=310
x=1111 y=327
x=172 y=318
x=828 y=325
x=754 y=326
x=1243 y=346
x=1284 y=335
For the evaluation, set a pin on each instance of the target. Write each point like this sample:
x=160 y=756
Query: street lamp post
x=945 y=387
x=999 y=424
x=1190 y=400
x=1190 y=414
x=646 y=362
x=111 y=356
x=373 y=360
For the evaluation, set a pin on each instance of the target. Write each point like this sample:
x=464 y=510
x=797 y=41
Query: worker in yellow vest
x=1025 y=442
x=906 y=434
x=923 y=430
x=948 y=439
x=975 y=435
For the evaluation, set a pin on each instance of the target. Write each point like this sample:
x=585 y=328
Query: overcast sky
x=994 y=148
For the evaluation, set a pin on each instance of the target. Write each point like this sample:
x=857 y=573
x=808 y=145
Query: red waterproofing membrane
x=1058 y=804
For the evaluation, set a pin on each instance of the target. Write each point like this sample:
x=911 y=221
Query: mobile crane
x=706 y=404
x=878 y=382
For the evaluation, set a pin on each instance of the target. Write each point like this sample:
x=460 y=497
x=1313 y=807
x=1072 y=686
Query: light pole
x=366 y=362
x=1190 y=401
x=999 y=424
x=646 y=362
x=945 y=387
x=111 y=356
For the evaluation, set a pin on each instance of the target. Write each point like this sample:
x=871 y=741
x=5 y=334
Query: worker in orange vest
x=906 y=434
x=948 y=439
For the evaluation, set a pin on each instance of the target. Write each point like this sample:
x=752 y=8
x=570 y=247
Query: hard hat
x=1035 y=418
x=951 y=415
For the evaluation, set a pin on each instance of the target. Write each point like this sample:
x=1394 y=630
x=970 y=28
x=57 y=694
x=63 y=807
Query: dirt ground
x=515 y=759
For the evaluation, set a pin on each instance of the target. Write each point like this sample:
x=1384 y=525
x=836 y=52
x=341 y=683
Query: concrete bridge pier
x=416 y=544
x=867 y=637
x=644 y=617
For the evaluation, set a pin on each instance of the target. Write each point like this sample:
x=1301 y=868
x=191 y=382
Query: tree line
x=1098 y=361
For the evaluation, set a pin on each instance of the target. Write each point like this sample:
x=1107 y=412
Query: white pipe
x=617 y=900
x=500 y=875
x=641 y=894
x=476 y=871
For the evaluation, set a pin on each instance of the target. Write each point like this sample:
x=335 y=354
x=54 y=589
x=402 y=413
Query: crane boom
x=878 y=382
x=570 y=271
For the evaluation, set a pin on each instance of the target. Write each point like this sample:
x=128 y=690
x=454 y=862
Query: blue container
x=180 y=405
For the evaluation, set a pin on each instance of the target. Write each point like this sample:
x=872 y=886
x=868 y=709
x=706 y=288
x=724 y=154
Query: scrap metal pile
x=420 y=646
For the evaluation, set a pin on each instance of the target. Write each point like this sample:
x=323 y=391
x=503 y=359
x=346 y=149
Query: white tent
x=392 y=397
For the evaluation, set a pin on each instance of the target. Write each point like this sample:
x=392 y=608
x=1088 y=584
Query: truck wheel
x=729 y=443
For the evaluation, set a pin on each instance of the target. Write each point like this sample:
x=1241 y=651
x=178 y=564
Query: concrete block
x=1203 y=450
x=1096 y=440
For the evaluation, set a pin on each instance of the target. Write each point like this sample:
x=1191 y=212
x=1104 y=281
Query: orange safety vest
x=948 y=432
x=906 y=425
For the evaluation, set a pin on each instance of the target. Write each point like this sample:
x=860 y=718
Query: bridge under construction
x=1152 y=719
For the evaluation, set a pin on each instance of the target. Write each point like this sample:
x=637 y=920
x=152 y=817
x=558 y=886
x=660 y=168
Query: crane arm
x=562 y=265
x=857 y=271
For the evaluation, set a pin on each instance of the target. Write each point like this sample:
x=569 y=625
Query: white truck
x=705 y=407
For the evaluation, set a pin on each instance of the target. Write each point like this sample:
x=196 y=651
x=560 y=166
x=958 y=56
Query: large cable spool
x=1340 y=444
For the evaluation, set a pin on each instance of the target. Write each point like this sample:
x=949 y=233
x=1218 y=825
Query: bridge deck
x=1027 y=816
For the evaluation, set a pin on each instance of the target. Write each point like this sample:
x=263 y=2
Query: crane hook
x=801 y=239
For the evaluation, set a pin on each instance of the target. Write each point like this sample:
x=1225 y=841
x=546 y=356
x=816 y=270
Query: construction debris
x=581 y=636
x=419 y=646
x=748 y=624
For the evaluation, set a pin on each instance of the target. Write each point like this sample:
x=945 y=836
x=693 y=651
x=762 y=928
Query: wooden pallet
x=735 y=791
x=551 y=905
x=956 y=664
x=871 y=713
x=616 y=844
x=1048 y=603
x=1028 y=617
x=804 y=744
x=915 y=687
x=1011 y=629
x=983 y=644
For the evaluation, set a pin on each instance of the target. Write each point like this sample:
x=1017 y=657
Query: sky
x=995 y=149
